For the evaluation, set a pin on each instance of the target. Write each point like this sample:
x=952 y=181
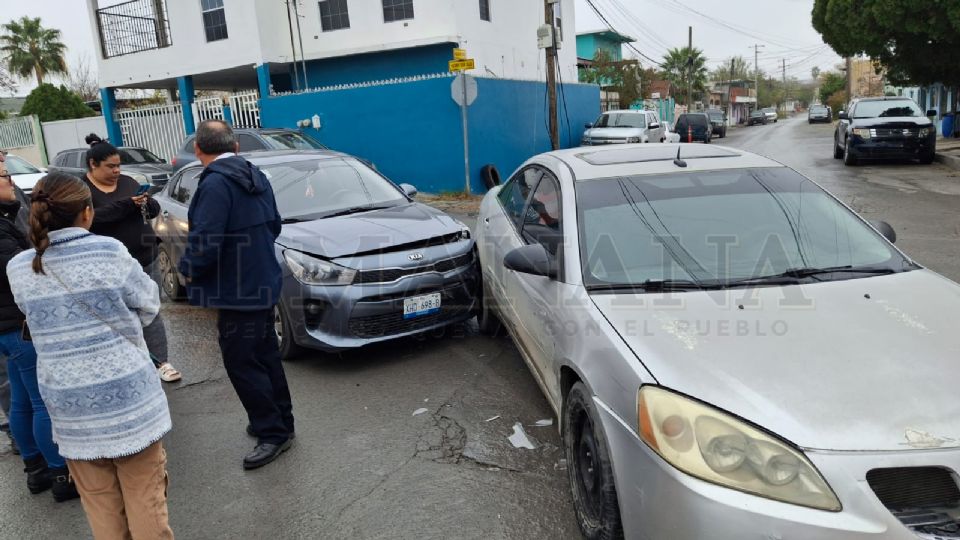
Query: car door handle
x=165 y=213
x=486 y=221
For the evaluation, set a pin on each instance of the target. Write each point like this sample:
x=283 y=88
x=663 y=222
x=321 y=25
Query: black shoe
x=38 y=475
x=265 y=453
x=250 y=432
x=63 y=487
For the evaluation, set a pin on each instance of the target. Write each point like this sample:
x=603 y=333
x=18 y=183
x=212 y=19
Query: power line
x=729 y=26
x=612 y=29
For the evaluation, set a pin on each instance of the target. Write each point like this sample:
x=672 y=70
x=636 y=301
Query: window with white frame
x=485 y=10
x=214 y=19
x=333 y=15
x=397 y=10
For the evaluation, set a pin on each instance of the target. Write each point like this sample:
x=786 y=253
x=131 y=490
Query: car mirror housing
x=409 y=190
x=532 y=259
x=931 y=112
x=654 y=126
x=842 y=115
x=587 y=126
x=885 y=229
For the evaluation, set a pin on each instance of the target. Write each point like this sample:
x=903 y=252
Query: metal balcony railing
x=133 y=26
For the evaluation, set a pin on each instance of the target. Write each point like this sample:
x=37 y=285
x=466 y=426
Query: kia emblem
x=416 y=256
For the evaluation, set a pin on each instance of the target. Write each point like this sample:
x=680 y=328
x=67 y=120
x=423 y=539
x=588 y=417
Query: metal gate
x=245 y=109
x=159 y=128
x=210 y=108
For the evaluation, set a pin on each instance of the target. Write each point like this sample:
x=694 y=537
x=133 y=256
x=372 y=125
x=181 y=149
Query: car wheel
x=281 y=324
x=589 y=468
x=848 y=158
x=489 y=324
x=837 y=150
x=169 y=280
x=927 y=158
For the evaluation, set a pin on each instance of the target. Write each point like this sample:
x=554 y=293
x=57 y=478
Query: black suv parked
x=884 y=128
x=694 y=127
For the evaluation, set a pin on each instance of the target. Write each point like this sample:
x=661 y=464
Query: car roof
x=626 y=111
x=88 y=148
x=275 y=157
x=589 y=163
x=885 y=98
x=255 y=131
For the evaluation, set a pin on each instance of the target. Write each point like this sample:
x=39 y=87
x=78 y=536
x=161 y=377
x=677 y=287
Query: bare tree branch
x=82 y=80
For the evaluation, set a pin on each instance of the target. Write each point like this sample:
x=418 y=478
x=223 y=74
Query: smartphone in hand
x=142 y=190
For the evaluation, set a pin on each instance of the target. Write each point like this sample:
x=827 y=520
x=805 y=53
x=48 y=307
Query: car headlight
x=862 y=132
x=464 y=230
x=585 y=140
x=716 y=447
x=310 y=270
x=924 y=132
x=140 y=178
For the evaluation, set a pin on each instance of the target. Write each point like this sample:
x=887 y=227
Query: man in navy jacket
x=230 y=264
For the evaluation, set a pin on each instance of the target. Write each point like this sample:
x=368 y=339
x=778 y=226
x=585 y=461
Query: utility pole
x=303 y=55
x=293 y=48
x=552 y=75
x=689 y=66
x=849 y=79
x=784 y=62
x=756 y=72
x=730 y=105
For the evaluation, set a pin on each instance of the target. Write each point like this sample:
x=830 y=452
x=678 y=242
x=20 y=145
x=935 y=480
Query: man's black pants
x=251 y=357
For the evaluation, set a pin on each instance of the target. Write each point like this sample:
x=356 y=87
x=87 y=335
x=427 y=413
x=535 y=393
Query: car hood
x=893 y=122
x=368 y=232
x=27 y=181
x=148 y=168
x=614 y=133
x=870 y=364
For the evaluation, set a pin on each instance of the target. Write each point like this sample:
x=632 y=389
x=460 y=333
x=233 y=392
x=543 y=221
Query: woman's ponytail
x=57 y=201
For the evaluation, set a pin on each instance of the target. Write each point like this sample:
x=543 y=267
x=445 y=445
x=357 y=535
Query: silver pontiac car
x=732 y=352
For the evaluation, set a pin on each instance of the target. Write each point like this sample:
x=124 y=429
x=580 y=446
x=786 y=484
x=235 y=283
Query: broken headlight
x=310 y=270
x=716 y=447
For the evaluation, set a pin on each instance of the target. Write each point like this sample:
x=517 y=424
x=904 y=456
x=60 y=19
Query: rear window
x=693 y=119
x=291 y=140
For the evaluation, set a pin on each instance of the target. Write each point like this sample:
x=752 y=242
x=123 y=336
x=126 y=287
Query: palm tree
x=27 y=47
x=686 y=69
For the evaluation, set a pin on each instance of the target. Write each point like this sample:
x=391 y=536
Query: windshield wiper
x=651 y=285
x=793 y=276
x=354 y=210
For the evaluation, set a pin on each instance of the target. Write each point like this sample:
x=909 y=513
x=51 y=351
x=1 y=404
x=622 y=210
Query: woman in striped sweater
x=86 y=301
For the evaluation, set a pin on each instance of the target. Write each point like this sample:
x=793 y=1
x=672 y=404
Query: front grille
x=894 y=132
x=386 y=275
x=914 y=487
x=390 y=324
x=162 y=176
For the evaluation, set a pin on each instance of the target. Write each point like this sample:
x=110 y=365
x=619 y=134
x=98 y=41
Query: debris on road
x=519 y=438
x=544 y=423
x=420 y=411
x=492 y=419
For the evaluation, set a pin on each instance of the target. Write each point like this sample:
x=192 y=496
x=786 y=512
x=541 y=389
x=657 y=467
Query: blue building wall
x=412 y=131
x=379 y=65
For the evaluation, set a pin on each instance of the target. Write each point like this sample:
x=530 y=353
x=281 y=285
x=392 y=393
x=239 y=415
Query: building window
x=397 y=10
x=333 y=15
x=485 y=10
x=214 y=19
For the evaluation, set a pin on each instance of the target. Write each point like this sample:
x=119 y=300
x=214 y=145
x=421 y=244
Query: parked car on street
x=818 y=113
x=362 y=261
x=719 y=334
x=694 y=127
x=254 y=140
x=25 y=174
x=771 y=114
x=757 y=117
x=138 y=163
x=624 y=127
x=718 y=121
x=884 y=128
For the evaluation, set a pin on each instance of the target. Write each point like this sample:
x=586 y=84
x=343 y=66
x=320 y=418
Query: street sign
x=457 y=90
x=459 y=54
x=462 y=65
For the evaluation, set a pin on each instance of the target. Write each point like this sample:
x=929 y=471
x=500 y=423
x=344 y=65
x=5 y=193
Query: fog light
x=313 y=308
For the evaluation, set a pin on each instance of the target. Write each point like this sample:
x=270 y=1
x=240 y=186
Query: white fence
x=17 y=133
x=66 y=134
x=245 y=109
x=159 y=128
x=210 y=108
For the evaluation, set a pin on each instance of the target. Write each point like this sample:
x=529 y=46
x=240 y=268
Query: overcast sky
x=722 y=29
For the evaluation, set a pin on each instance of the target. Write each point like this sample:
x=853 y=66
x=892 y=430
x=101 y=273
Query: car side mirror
x=533 y=260
x=587 y=126
x=885 y=229
x=932 y=112
x=654 y=126
x=409 y=189
x=842 y=115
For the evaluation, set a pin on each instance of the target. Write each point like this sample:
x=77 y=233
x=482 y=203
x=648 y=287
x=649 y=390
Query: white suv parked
x=624 y=127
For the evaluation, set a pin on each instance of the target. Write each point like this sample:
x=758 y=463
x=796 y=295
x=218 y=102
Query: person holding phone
x=122 y=210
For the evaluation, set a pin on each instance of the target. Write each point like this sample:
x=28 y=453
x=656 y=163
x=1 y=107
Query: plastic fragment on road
x=544 y=423
x=519 y=438
x=492 y=419
x=420 y=411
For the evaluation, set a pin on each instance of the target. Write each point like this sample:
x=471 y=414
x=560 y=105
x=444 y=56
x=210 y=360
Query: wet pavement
x=365 y=466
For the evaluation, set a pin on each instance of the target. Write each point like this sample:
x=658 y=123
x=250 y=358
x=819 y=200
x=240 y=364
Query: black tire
x=288 y=347
x=837 y=151
x=848 y=158
x=487 y=320
x=169 y=278
x=927 y=158
x=589 y=469
x=490 y=176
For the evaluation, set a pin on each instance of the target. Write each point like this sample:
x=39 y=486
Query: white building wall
x=189 y=53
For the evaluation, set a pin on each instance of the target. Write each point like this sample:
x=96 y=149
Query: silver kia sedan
x=731 y=351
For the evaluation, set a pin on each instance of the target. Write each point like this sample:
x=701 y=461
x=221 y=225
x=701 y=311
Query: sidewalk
x=948 y=152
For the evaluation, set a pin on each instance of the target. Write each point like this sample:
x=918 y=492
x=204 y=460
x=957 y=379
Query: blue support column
x=108 y=99
x=227 y=115
x=263 y=80
x=185 y=88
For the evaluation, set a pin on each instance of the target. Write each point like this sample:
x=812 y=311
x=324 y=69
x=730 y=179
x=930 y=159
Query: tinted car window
x=188 y=145
x=541 y=220
x=513 y=196
x=16 y=165
x=187 y=185
x=885 y=109
x=76 y=159
x=291 y=141
x=620 y=120
x=132 y=156
x=692 y=120
x=249 y=143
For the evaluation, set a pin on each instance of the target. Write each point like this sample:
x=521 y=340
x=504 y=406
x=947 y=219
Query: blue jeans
x=29 y=421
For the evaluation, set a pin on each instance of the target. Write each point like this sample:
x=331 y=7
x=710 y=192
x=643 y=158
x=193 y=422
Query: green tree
x=741 y=70
x=622 y=76
x=830 y=83
x=912 y=40
x=51 y=103
x=686 y=69
x=837 y=101
x=29 y=48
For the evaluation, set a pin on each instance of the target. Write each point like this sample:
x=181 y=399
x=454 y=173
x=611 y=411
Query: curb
x=950 y=161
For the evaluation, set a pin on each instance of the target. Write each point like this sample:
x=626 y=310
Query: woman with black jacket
x=29 y=420
x=121 y=214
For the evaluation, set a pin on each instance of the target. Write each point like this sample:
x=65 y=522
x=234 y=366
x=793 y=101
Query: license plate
x=419 y=306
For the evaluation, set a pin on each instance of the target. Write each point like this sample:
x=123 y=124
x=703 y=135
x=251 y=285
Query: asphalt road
x=364 y=466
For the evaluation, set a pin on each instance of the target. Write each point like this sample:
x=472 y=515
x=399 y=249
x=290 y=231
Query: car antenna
x=679 y=162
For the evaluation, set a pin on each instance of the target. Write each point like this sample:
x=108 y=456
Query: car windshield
x=885 y=109
x=312 y=189
x=757 y=113
x=287 y=140
x=716 y=116
x=134 y=156
x=716 y=227
x=624 y=120
x=17 y=166
x=818 y=109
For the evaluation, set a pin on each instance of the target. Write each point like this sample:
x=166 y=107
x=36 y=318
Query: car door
x=843 y=126
x=172 y=224
x=655 y=134
x=536 y=298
